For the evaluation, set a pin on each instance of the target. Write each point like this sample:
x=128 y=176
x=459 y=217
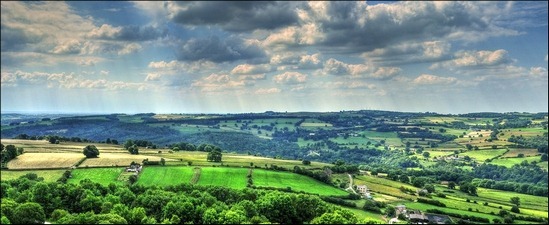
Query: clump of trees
x=91 y=151
x=9 y=152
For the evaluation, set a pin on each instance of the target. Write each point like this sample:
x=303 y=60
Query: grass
x=297 y=182
x=48 y=175
x=361 y=214
x=165 y=175
x=513 y=152
x=222 y=176
x=104 y=176
x=509 y=162
x=384 y=186
x=482 y=155
x=45 y=160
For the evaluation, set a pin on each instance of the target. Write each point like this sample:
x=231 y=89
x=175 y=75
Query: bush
x=431 y=202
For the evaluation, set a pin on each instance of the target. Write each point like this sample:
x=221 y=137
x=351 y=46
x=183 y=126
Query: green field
x=482 y=155
x=165 y=175
x=48 y=175
x=509 y=162
x=223 y=176
x=297 y=182
x=104 y=176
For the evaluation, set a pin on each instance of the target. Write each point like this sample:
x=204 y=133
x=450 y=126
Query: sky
x=237 y=57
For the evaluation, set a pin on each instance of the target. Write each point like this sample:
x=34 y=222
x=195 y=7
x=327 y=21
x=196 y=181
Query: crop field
x=104 y=176
x=482 y=155
x=45 y=160
x=385 y=190
x=513 y=152
x=509 y=162
x=199 y=159
x=118 y=159
x=267 y=178
x=165 y=175
x=48 y=175
x=222 y=176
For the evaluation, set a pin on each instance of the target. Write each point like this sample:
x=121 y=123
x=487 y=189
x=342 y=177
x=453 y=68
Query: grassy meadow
x=297 y=182
x=104 y=176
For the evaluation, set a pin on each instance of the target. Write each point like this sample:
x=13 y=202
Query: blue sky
x=230 y=57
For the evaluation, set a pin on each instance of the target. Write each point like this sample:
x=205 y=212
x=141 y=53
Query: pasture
x=104 y=176
x=297 y=182
x=45 y=160
x=223 y=176
x=48 y=175
x=513 y=152
x=482 y=155
x=165 y=175
x=509 y=162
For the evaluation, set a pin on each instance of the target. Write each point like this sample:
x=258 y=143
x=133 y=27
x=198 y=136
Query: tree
x=515 y=209
x=29 y=213
x=134 y=150
x=306 y=162
x=214 y=155
x=544 y=157
x=429 y=187
x=162 y=161
x=91 y=151
x=426 y=154
x=451 y=185
x=515 y=200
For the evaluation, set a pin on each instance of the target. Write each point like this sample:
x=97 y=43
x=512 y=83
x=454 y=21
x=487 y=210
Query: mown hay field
x=45 y=160
x=118 y=159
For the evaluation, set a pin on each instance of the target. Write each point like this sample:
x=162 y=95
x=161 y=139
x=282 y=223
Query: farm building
x=400 y=209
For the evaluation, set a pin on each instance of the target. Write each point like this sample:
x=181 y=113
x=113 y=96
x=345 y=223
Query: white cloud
x=538 y=71
x=476 y=59
x=290 y=78
x=220 y=82
x=247 y=69
x=130 y=48
x=427 y=79
x=64 y=80
x=265 y=91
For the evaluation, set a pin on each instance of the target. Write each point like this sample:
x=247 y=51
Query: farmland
x=335 y=144
x=104 y=176
x=45 y=160
x=226 y=177
x=163 y=176
x=266 y=178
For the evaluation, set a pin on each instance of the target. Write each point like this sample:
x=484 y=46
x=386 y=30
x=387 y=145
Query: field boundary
x=196 y=176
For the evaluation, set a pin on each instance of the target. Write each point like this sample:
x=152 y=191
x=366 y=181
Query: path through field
x=351 y=184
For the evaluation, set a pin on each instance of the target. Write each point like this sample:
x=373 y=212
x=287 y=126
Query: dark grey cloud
x=128 y=33
x=236 y=15
x=216 y=50
x=384 y=26
x=15 y=39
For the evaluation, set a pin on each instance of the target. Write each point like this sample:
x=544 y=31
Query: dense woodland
x=30 y=200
